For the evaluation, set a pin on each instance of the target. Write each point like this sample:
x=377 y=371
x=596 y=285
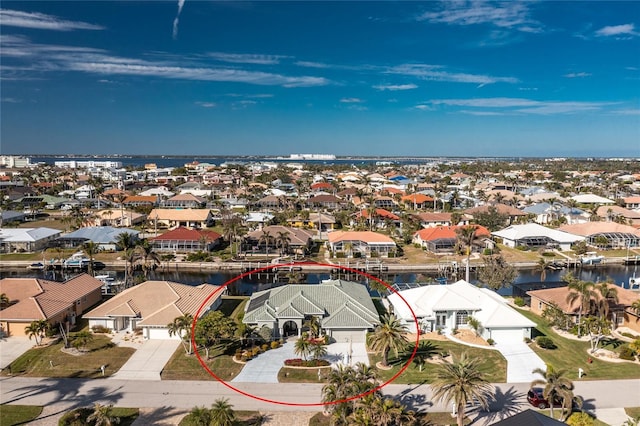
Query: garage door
x=507 y=335
x=160 y=333
x=342 y=336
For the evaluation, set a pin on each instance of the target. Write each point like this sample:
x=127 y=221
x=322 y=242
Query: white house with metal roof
x=448 y=307
x=534 y=235
x=344 y=308
x=26 y=239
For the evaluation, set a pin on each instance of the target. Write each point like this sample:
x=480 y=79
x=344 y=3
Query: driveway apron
x=521 y=361
x=148 y=361
x=264 y=368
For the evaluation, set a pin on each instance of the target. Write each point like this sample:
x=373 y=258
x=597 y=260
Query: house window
x=462 y=317
x=540 y=305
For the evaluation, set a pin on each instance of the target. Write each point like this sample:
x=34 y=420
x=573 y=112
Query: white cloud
x=481 y=113
x=395 y=87
x=617 y=30
x=241 y=58
x=423 y=107
x=436 y=73
x=41 y=21
x=578 y=75
x=206 y=104
x=486 y=102
x=513 y=15
x=351 y=100
x=310 y=64
x=488 y=106
x=10 y=100
x=630 y=111
x=177 y=19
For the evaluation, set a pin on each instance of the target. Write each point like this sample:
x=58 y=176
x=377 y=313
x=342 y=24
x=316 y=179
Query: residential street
x=65 y=393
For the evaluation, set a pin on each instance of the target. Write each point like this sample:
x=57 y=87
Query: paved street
x=163 y=395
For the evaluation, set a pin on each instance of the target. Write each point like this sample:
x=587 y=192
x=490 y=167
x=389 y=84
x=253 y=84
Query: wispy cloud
x=630 y=111
x=10 y=100
x=395 y=87
x=513 y=15
x=206 y=104
x=65 y=58
x=351 y=100
x=242 y=58
x=176 y=20
x=577 y=75
x=437 y=73
x=41 y=21
x=310 y=64
x=493 y=106
x=617 y=30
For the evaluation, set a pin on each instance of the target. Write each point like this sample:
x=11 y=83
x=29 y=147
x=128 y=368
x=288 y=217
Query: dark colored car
x=535 y=398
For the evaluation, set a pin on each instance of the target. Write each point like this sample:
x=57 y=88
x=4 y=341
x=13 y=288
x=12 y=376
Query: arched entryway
x=290 y=328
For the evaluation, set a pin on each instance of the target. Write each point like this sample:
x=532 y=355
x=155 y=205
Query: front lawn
x=243 y=418
x=78 y=417
x=50 y=361
x=306 y=375
x=492 y=364
x=18 y=414
x=187 y=367
x=572 y=354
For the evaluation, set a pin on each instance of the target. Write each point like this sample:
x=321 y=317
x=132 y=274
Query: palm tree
x=181 y=326
x=426 y=349
x=37 y=329
x=149 y=257
x=608 y=295
x=467 y=235
x=317 y=350
x=283 y=240
x=580 y=291
x=635 y=307
x=302 y=347
x=91 y=249
x=389 y=334
x=343 y=384
x=557 y=387
x=101 y=416
x=222 y=413
x=541 y=267
x=460 y=383
x=314 y=326
x=82 y=339
x=200 y=416
x=265 y=239
x=4 y=300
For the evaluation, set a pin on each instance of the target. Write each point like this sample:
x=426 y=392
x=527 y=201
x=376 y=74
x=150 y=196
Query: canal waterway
x=247 y=283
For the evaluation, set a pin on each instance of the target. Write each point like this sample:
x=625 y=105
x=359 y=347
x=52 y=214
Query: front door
x=441 y=319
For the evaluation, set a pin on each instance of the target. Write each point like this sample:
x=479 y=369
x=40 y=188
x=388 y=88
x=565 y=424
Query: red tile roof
x=185 y=234
x=447 y=232
x=417 y=198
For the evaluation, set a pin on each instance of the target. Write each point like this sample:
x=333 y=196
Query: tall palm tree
x=302 y=347
x=149 y=257
x=314 y=326
x=101 y=416
x=580 y=291
x=222 y=413
x=460 y=383
x=200 y=416
x=37 y=329
x=557 y=387
x=317 y=350
x=389 y=335
x=266 y=239
x=91 y=249
x=181 y=326
x=426 y=349
x=541 y=267
x=283 y=240
x=467 y=235
x=608 y=296
x=344 y=383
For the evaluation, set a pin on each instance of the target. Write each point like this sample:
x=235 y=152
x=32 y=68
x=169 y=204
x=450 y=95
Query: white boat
x=109 y=283
x=77 y=260
x=591 y=258
x=36 y=266
x=634 y=282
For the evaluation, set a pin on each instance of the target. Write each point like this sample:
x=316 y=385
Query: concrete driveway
x=147 y=361
x=12 y=347
x=521 y=361
x=339 y=353
x=264 y=369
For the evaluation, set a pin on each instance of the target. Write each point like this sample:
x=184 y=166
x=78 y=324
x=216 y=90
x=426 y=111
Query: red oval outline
x=294 y=404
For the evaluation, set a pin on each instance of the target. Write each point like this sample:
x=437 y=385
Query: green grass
x=36 y=362
x=126 y=415
x=492 y=364
x=572 y=354
x=187 y=367
x=243 y=418
x=18 y=414
x=295 y=375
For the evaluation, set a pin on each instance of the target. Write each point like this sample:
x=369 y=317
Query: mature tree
x=608 y=296
x=317 y=349
x=222 y=413
x=101 y=416
x=556 y=387
x=460 y=383
x=581 y=292
x=181 y=326
x=302 y=347
x=283 y=239
x=150 y=259
x=597 y=328
x=496 y=272
x=466 y=236
x=37 y=329
x=313 y=324
x=212 y=328
x=81 y=339
x=265 y=239
x=91 y=249
x=426 y=349
x=199 y=416
x=541 y=267
x=491 y=219
x=344 y=383
x=389 y=335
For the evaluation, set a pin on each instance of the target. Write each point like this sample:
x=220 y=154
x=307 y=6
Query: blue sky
x=454 y=78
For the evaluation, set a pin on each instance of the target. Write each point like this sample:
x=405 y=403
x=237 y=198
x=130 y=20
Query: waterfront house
x=105 y=237
x=152 y=305
x=173 y=218
x=441 y=239
x=278 y=239
x=361 y=243
x=186 y=240
x=344 y=308
x=449 y=307
x=33 y=299
x=617 y=235
x=533 y=235
x=27 y=240
x=324 y=222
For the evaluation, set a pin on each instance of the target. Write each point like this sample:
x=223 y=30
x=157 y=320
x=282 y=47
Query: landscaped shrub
x=629 y=335
x=545 y=342
x=518 y=301
x=275 y=344
x=626 y=353
x=548 y=254
x=487 y=252
x=299 y=362
x=580 y=419
x=100 y=329
x=491 y=342
x=527 y=340
x=264 y=347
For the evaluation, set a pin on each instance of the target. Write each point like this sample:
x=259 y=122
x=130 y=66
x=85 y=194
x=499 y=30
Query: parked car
x=537 y=399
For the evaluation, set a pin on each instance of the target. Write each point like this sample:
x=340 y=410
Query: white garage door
x=343 y=336
x=507 y=335
x=159 y=333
